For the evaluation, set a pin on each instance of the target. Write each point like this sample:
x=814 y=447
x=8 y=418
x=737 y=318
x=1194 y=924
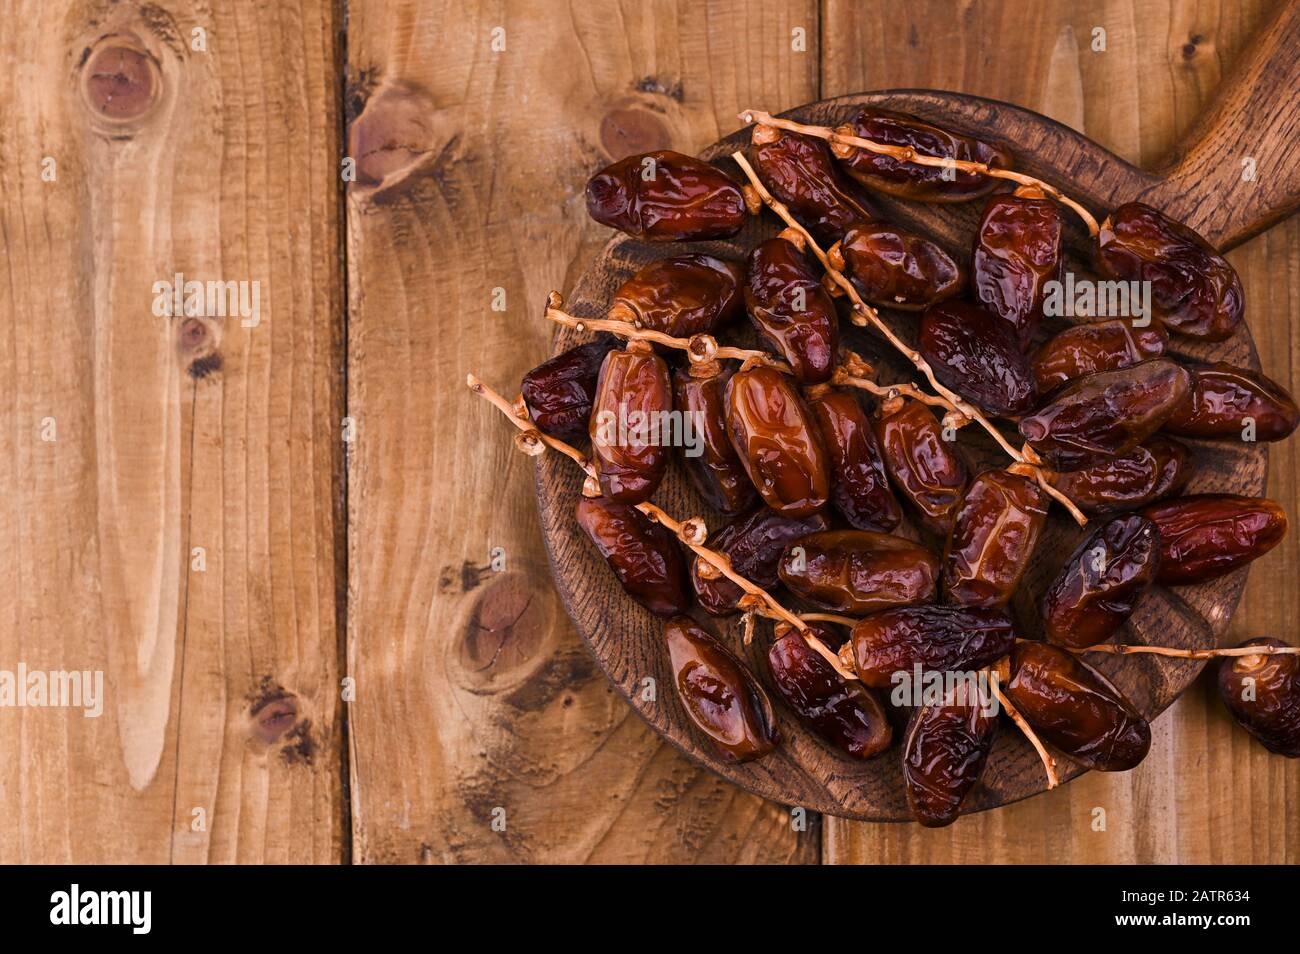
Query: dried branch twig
x=996 y=675
x=847 y=142
x=1118 y=649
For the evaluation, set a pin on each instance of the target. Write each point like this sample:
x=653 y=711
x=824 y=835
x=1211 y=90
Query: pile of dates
x=876 y=514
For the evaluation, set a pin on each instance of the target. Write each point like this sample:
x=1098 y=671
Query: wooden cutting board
x=1236 y=173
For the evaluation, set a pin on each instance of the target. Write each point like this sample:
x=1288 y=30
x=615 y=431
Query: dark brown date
x=1204 y=536
x=909 y=180
x=1193 y=288
x=643 y=554
x=1106 y=414
x=1075 y=708
x=893 y=267
x=926 y=468
x=1017 y=252
x=681 y=296
x=978 y=355
x=1263 y=694
x=859 y=485
x=993 y=539
x=719 y=695
x=945 y=749
x=859 y=571
x=846 y=714
x=1149 y=472
x=755 y=544
x=1100 y=346
x=800 y=172
x=775 y=435
x=559 y=393
x=715 y=470
x=792 y=310
x=942 y=638
x=666 y=197
x=632 y=395
x=1099 y=586
x=1224 y=397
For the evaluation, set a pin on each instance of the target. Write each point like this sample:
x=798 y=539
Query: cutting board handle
x=1237 y=171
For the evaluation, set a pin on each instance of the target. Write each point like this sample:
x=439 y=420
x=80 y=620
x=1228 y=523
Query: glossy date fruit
x=1226 y=399
x=908 y=180
x=859 y=485
x=945 y=748
x=666 y=197
x=1076 y=709
x=755 y=544
x=926 y=468
x=681 y=296
x=1099 y=586
x=1106 y=414
x=895 y=268
x=1017 y=252
x=939 y=638
x=715 y=470
x=846 y=714
x=559 y=393
x=1098 y=346
x=775 y=436
x=1263 y=694
x=993 y=539
x=792 y=310
x=643 y=554
x=633 y=395
x=977 y=354
x=719 y=694
x=1158 y=468
x=1194 y=290
x=800 y=172
x=859 y=571
x=1204 y=536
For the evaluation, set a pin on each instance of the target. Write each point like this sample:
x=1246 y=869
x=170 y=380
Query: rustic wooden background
x=275 y=540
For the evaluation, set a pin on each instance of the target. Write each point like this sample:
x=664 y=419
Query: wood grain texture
x=476 y=702
x=1162 y=66
x=130 y=439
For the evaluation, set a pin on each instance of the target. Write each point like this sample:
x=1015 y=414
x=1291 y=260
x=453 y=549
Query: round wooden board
x=805 y=771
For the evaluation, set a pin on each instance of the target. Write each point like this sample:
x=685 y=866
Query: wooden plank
x=132 y=437
x=476 y=702
x=1186 y=802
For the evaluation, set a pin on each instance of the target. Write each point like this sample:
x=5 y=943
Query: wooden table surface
x=276 y=538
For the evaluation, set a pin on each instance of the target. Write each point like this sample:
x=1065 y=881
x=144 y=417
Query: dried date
x=846 y=714
x=1194 y=290
x=978 y=355
x=792 y=310
x=1099 y=586
x=945 y=748
x=1159 y=468
x=942 y=638
x=1262 y=692
x=1017 y=252
x=719 y=694
x=643 y=554
x=714 y=468
x=859 y=485
x=1204 y=536
x=633 y=396
x=893 y=267
x=1075 y=708
x=800 y=172
x=755 y=544
x=993 y=539
x=1229 y=402
x=681 y=296
x=1099 y=346
x=775 y=436
x=1106 y=414
x=559 y=393
x=666 y=197
x=926 y=468
x=859 y=571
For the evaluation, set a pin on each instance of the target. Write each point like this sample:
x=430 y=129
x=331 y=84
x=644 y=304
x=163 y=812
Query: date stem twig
x=908 y=154
x=864 y=315
x=996 y=675
x=691 y=532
